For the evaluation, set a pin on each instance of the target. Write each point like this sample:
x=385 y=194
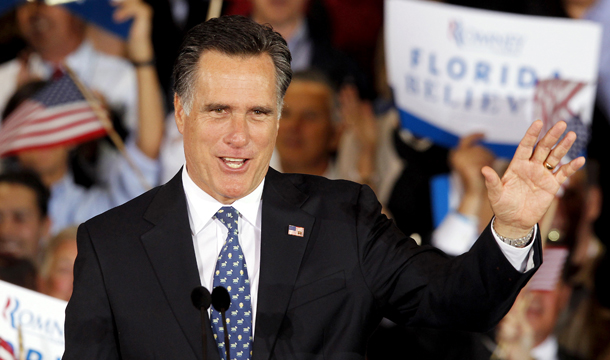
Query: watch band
x=519 y=242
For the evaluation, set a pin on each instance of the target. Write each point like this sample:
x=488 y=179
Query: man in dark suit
x=310 y=264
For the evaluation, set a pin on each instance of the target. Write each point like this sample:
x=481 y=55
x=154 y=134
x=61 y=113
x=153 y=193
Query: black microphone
x=221 y=300
x=201 y=298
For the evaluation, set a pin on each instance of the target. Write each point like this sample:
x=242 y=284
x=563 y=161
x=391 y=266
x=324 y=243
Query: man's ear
x=179 y=113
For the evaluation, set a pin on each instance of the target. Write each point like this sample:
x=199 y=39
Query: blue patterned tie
x=232 y=273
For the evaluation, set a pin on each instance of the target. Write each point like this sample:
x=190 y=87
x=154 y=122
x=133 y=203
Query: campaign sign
x=36 y=318
x=456 y=71
x=99 y=12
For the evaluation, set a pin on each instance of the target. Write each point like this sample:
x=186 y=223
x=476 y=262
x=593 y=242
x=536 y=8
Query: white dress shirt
x=209 y=234
x=547 y=350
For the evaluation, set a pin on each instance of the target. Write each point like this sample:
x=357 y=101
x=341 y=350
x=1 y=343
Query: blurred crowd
x=338 y=121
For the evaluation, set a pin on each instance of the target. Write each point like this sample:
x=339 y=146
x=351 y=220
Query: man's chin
x=228 y=196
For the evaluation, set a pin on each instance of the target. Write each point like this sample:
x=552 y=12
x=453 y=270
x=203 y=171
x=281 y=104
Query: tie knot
x=229 y=216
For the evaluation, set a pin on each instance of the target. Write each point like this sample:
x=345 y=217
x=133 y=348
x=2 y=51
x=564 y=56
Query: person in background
x=71 y=204
x=24 y=221
x=314 y=121
x=597 y=11
x=584 y=329
x=309 y=42
x=527 y=331
x=464 y=191
x=56 y=272
x=20 y=272
x=56 y=37
x=309 y=128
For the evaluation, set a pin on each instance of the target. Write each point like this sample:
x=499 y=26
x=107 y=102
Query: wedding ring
x=548 y=166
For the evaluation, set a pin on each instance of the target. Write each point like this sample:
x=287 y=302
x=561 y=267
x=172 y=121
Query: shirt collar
x=547 y=350
x=76 y=59
x=81 y=55
x=202 y=206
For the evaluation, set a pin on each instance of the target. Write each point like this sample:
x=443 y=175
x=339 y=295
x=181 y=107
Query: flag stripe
x=57 y=126
x=70 y=141
x=549 y=273
x=56 y=135
x=6 y=352
x=57 y=114
x=41 y=116
x=21 y=115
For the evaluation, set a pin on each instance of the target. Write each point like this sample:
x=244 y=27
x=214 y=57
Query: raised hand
x=141 y=53
x=525 y=192
x=139 y=43
x=468 y=158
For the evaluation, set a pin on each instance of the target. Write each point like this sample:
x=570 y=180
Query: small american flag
x=295 y=230
x=549 y=273
x=56 y=115
x=6 y=351
x=554 y=101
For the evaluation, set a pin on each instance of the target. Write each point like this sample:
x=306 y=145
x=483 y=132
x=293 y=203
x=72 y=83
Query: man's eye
x=219 y=110
x=260 y=112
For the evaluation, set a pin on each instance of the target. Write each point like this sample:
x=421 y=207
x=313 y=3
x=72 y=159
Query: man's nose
x=238 y=134
x=6 y=227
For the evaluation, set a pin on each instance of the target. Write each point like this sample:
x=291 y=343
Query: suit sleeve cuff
x=522 y=259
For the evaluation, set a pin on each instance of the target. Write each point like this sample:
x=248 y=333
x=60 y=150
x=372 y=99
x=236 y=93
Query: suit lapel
x=281 y=256
x=169 y=246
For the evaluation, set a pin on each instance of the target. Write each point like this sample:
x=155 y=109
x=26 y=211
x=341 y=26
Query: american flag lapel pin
x=296 y=230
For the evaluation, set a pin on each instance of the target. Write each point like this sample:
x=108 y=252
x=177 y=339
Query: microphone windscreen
x=221 y=300
x=201 y=298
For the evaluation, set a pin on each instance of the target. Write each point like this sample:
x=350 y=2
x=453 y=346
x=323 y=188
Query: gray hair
x=231 y=35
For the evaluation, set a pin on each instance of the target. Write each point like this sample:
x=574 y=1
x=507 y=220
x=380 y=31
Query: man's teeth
x=234 y=163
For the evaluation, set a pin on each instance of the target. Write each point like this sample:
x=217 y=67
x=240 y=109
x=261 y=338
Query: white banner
x=455 y=71
x=38 y=317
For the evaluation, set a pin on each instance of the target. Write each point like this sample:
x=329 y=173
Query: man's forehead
x=213 y=61
x=17 y=194
x=214 y=55
x=222 y=67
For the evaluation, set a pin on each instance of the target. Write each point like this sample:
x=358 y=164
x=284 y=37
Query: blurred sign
x=455 y=71
x=97 y=12
x=38 y=317
x=6 y=5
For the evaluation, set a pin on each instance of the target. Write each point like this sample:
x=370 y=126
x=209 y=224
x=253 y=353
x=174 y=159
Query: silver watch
x=519 y=242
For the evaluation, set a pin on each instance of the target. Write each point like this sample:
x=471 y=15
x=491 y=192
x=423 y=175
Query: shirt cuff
x=522 y=259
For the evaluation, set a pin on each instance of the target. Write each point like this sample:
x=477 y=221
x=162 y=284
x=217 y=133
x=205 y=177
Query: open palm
x=525 y=192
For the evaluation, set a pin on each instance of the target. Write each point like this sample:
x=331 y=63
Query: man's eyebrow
x=214 y=106
x=263 y=109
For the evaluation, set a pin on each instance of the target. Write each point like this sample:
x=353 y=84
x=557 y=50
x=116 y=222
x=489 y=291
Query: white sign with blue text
x=39 y=319
x=456 y=71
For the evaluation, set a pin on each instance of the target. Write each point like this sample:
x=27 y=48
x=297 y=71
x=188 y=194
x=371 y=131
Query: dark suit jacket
x=320 y=295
